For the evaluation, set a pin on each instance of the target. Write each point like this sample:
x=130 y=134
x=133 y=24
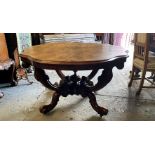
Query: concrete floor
x=23 y=101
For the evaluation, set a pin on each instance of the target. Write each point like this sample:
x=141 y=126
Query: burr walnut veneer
x=75 y=57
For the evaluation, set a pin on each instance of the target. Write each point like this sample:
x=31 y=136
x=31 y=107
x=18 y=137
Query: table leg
x=43 y=78
x=47 y=108
x=92 y=74
x=60 y=74
x=100 y=110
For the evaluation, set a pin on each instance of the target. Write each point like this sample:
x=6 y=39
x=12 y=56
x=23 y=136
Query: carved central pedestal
x=74 y=85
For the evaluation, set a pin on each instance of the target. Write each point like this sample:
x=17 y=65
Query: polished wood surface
x=73 y=53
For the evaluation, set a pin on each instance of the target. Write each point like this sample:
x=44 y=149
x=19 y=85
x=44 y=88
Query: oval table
x=75 y=56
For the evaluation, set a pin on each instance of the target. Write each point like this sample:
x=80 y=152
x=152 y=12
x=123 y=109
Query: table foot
x=100 y=110
x=47 y=108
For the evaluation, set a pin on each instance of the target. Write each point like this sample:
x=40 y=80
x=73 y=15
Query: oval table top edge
x=78 y=53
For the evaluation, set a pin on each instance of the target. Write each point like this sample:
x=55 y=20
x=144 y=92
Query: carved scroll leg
x=92 y=74
x=100 y=110
x=47 y=108
x=60 y=74
x=41 y=76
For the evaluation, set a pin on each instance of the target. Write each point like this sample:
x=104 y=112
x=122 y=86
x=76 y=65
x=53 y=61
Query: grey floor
x=23 y=101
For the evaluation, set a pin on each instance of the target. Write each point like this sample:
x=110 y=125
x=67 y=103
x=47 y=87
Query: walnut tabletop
x=75 y=56
x=72 y=54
